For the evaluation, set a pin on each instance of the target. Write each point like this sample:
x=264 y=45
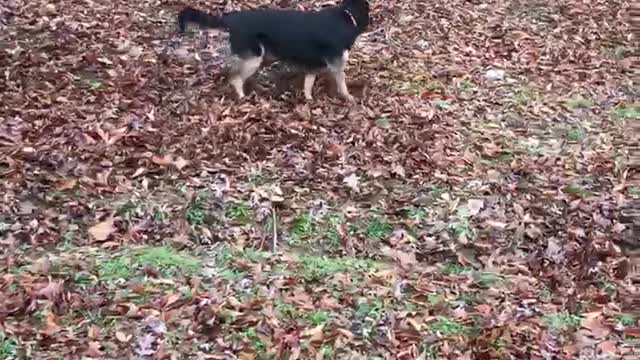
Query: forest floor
x=466 y=206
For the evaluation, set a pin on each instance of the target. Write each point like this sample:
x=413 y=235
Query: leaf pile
x=467 y=206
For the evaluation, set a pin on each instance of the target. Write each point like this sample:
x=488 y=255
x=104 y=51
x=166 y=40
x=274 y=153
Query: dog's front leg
x=336 y=67
x=309 y=80
x=341 y=84
x=241 y=70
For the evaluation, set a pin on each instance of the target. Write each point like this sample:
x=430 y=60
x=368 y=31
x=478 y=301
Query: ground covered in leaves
x=466 y=207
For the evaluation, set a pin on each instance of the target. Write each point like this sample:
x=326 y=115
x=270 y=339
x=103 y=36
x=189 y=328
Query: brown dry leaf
x=329 y=303
x=632 y=331
x=474 y=206
x=167 y=160
x=101 y=231
x=352 y=182
x=484 y=309
x=398 y=170
x=93 y=349
x=315 y=334
x=594 y=323
x=122 y=337
x=67 y=184
x=608 y=346
x=93 y=332
x=172 y=299
x=496 y=224
x=301 y=298
x=180 y=162
x=41 y=266
x=52 y=325
x=400 y=236
x=181 y=239
x=52 y=291
x=406 y=260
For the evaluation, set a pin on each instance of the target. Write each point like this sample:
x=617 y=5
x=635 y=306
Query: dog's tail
x=191 y=15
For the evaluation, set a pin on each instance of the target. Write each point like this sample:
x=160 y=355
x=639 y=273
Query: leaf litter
x=470 y=199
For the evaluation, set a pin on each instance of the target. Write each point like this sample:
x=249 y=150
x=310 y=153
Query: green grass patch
x=318 y=318
x=371 y=309
x=238 y=212
x=455 y=269
x=628 y=320
x=576 y=190
x=305 y=229
x=383 y=122
x=288 y=311
x=8 y=347
x=417 y=214
x=126 y=265
x=523 y=96
x=460 y=227
x=255 y=256
x=579 y=102
x=196 y=212
x=576 y=134
x=303 y=226
x=441 y=104
x=232 y=275
x=631 y=112
x=314 y=268
x=379 y=229
x=327 y=352
x=131 y=209
x=561 y=321
x=487 y=280
x=251 y=336
x=468 y=86
x=467 y=298
x=417 y=86
x=448 y=327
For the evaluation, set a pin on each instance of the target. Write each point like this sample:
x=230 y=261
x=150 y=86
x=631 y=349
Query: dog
x=314 y=41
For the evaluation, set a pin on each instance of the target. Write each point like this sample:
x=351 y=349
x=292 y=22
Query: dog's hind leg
x=309 y=79
x=241 y=70
x=336 y=67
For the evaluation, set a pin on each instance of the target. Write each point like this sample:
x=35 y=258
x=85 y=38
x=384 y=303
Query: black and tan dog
x=314 y=41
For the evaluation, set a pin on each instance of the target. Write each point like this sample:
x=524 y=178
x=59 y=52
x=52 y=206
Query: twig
x=275 y=230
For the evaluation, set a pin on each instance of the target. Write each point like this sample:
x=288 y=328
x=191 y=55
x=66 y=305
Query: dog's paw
x=349 y=98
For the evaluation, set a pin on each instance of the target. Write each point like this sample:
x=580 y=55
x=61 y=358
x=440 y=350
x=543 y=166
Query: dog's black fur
x=312 y=40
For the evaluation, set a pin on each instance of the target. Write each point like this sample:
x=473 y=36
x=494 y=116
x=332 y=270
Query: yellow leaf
x=102 y=230
x=122 y=337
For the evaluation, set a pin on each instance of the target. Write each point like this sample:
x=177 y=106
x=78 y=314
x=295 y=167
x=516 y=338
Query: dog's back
x=305 y=38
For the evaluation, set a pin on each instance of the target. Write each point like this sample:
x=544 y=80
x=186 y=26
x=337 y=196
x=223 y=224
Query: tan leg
x=337 y=70
x=241 y=70
x=341 y=84
x=309 y=79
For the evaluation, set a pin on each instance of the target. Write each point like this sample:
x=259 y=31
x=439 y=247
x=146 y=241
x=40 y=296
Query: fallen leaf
x=594 y=323
x=122 y=337
x=496 y=224
x=41 y=266
x=474 y=206
x=406 y=260
x=632 y=331
x=102 y=230
x=315 y=334
x=67 y=184
x=93 y=349
x=608 y=346
x=484 y=309
x=352 y=182
x=180 y=162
